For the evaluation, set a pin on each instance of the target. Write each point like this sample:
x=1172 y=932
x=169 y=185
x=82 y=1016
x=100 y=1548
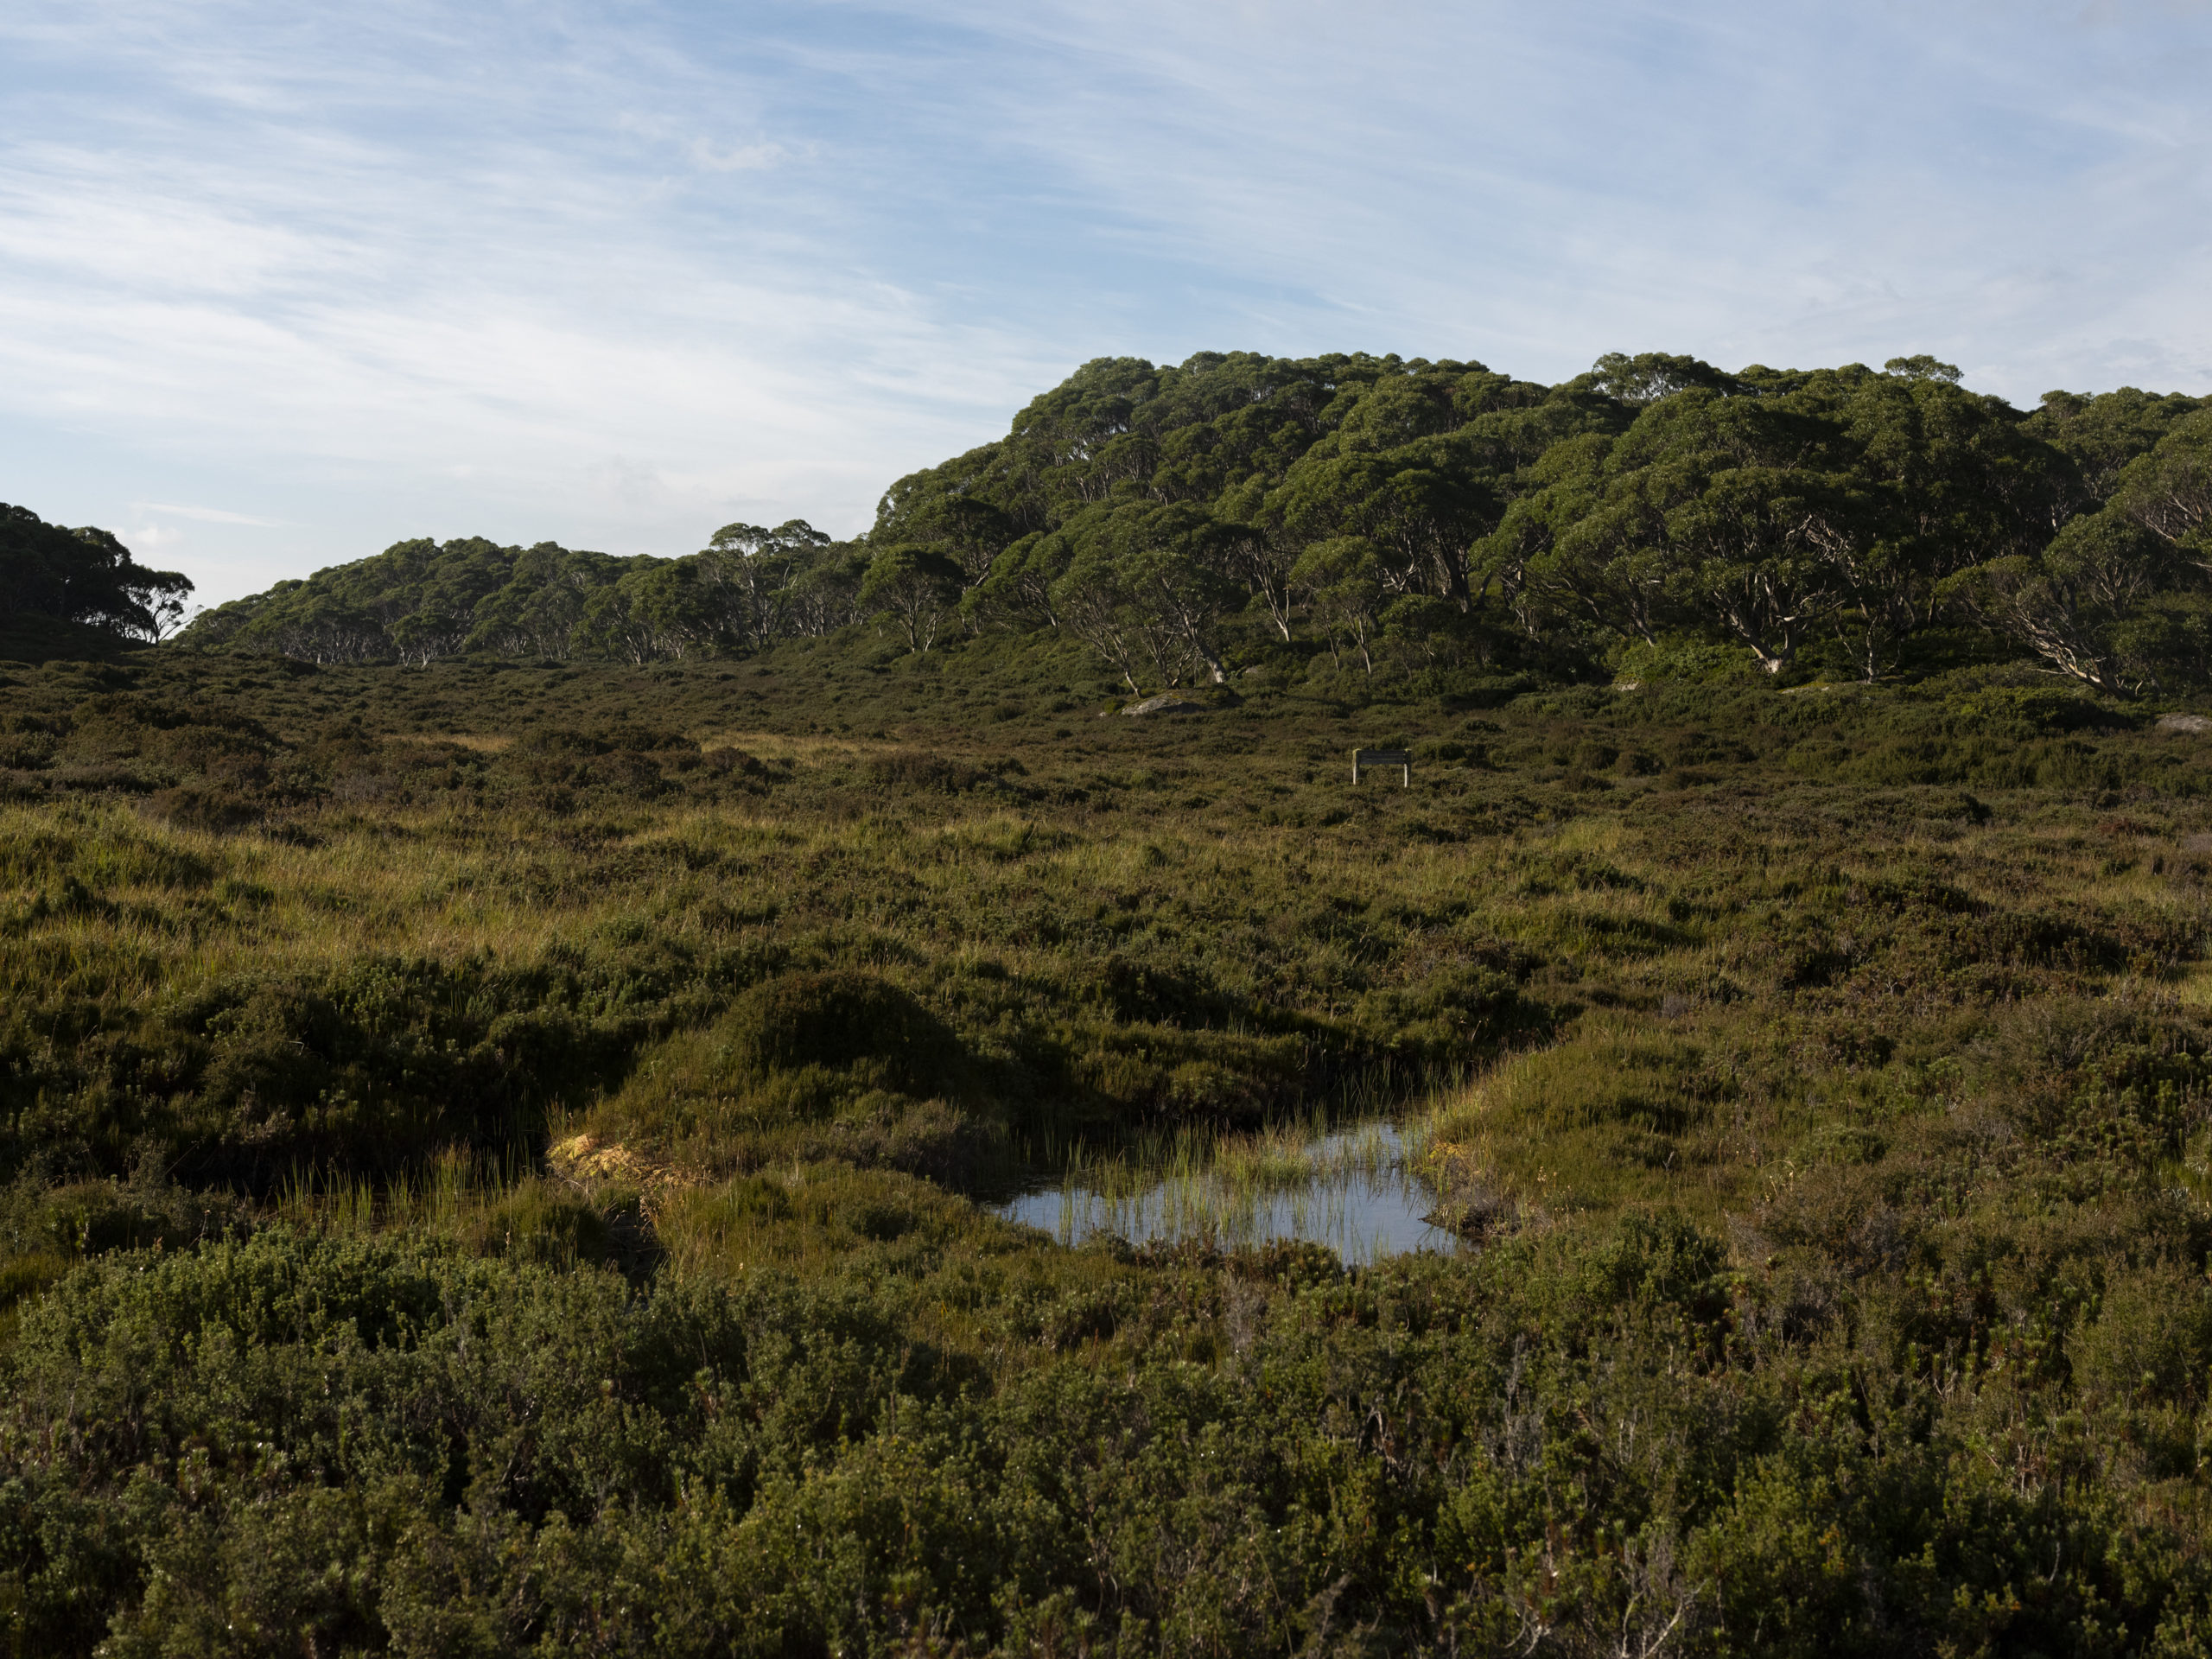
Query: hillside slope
x=1657 y=515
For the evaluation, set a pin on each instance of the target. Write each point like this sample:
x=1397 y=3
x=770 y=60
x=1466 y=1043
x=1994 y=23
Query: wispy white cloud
x=208 y=515
x=619 y=273
x=1741 y=181
x=500 y=333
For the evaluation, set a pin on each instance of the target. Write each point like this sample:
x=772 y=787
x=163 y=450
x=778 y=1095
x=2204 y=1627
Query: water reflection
x=1351 y=1191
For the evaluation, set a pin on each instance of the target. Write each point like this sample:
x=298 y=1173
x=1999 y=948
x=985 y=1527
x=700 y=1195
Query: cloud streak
x=619 y=273
x=207 y=515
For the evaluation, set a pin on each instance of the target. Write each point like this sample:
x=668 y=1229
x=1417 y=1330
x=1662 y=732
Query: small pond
x=1351 y=1190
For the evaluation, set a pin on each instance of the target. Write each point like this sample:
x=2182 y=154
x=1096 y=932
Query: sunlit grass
x=1633 y=921
x=437 y=1198
x=480 y=743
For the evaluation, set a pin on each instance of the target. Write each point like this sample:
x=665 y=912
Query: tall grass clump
x=482 y=1170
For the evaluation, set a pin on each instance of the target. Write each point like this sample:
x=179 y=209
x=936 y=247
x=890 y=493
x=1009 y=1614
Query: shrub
x=190 y=806
x=835 y=1019
x=908 y=771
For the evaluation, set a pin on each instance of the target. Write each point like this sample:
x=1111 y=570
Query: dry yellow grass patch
x=482 y=743
x=586 y=1158
x=785 y=745
x=2193 y=988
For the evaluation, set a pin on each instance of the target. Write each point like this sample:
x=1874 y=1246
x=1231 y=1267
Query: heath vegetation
x=505 y=1139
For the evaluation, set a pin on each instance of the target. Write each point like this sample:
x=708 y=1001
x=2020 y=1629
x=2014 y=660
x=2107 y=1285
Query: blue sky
x=281 y=283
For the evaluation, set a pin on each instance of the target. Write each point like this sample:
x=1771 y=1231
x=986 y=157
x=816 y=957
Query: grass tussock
x=511 y=1160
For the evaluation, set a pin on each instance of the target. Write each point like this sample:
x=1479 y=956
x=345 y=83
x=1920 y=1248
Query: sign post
x=1366 y=760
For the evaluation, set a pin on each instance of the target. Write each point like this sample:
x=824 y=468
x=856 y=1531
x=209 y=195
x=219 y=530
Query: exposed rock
x=1166 y=703
x=2195 y=725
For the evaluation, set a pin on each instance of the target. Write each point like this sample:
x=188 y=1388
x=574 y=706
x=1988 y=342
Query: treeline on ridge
x=54 y=580
x=1403 y=519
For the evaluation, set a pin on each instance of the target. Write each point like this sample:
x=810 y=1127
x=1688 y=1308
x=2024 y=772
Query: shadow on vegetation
x=502 y=1158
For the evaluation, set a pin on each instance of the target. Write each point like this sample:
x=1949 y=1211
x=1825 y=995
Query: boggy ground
x=495 y=1155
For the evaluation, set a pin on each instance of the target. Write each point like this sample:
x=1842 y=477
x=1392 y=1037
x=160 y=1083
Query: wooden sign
x=1365 y=759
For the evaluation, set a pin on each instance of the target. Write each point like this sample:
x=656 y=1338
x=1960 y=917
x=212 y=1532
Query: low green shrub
x=836 y=1019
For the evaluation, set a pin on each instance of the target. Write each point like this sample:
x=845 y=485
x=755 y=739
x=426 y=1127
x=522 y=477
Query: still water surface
x=1359 y=1199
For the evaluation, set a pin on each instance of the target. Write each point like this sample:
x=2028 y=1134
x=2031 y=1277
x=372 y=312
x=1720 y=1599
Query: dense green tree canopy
x=420 y=601
x=83 y=575
x=1182 y=519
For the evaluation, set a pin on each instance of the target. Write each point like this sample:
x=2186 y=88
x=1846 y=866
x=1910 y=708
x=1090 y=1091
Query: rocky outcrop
x=1166 y=703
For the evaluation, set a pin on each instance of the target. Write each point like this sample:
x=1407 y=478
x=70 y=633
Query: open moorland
x=506 y=1145
x=519 y=1188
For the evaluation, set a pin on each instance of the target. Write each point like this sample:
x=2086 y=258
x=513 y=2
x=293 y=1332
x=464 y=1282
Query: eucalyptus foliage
x=1420 y=515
